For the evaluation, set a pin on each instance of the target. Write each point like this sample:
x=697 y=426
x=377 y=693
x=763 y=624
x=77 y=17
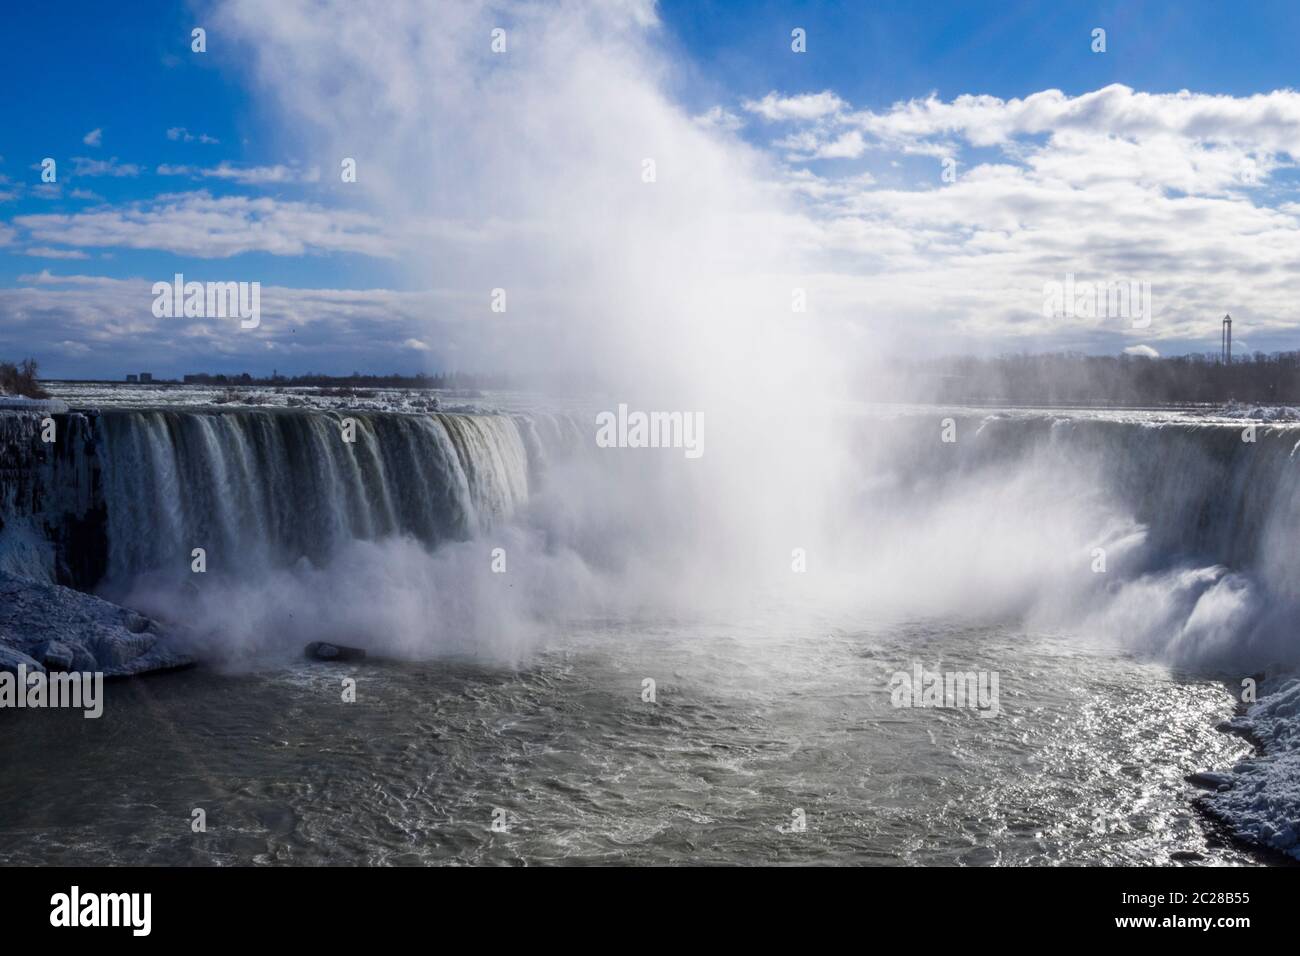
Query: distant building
x=132 y=379
x=146 y=377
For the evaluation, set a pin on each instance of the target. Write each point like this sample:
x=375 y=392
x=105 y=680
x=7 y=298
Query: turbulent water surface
x=1085 y=764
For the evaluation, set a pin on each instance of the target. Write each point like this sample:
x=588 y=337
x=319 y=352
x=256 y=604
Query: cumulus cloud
x=94 y=138
x=527 y=172
x=244 y=175
x=201 y=225
x=718 y=118
x=82 y=166
x=1180 y=191
x=182 y=135
x=806 y=106
x=303 y=328
x=45 y=252
x=1270 y=121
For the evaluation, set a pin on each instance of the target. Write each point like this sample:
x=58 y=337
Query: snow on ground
x=49 y=626
x=1260 y=413
x=23 y=404
x=84 y=395
x=1261 y=802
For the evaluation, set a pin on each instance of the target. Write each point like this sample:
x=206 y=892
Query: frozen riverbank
x=49 y=627
x=1260 y=800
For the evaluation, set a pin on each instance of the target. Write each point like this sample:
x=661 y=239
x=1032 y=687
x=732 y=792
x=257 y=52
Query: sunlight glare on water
x=1084 y=764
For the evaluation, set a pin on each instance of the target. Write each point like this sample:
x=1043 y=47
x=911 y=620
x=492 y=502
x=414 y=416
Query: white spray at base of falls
x=1173 y=538
x=389 y=542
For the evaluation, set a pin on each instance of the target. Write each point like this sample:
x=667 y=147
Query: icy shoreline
x=1260 y=797
x=51 y=627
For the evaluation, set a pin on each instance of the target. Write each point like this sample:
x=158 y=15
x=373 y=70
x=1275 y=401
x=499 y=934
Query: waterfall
x=1200 y=491
x=1177 y=531
x=1175 y=537
x=122 y=492
x=266 y=487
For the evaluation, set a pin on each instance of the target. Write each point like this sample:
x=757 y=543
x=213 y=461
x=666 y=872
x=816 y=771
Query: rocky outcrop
x=50 y=627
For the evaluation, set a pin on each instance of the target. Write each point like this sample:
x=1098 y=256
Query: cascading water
x=1195 y=524
x=263 y=488
x=1174 y=536
x=255 y=488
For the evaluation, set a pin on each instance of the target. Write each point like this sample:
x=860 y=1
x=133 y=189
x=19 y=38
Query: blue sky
x=877 y=53
x=223 y=166
x=135 y=78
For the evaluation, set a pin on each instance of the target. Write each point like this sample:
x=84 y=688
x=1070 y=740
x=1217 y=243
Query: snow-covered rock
x=1262 y=802
x=47 y=625
x=23 y=404
x=1260 y=413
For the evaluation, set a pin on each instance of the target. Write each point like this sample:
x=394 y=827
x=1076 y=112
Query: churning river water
x=561 y=760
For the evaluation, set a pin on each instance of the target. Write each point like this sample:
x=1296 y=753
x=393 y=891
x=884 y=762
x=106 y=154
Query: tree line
x=1076 y=379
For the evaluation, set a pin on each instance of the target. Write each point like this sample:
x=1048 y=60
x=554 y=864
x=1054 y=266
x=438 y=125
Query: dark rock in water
x=1209 y=780
x=1237 y=725
x=1186 y=855
x=55 y=655
x=75 y=631
x=324 y=651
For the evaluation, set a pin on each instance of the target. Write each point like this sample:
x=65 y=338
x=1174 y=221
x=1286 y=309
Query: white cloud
x=82 y=166
x=806 y=106
x=1178 y=190
x=247 y=175
x=45 y=252
x=525 y=173
x=1145 y=351
x=327 y=329
x=94 y=138
x=848 y=145
x=181 y=134
x=718 y=118
x=198 y=224
x=1269 y=121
